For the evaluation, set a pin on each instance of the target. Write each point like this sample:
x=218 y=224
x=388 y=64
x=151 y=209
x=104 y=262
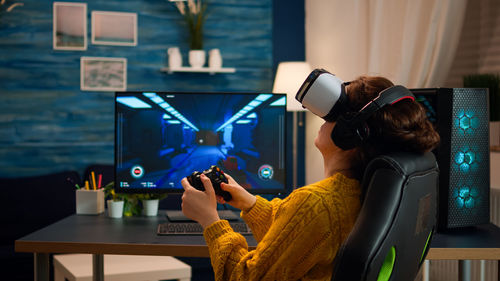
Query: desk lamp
x=289 y=77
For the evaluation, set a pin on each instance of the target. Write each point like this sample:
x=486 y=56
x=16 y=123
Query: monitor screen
x=162 y=137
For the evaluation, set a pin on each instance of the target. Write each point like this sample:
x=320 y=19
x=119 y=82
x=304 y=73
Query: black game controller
x=216 y=176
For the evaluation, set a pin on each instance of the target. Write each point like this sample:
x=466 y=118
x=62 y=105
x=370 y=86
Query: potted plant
x=115 y=201
x=150 y=202
x=194 y=16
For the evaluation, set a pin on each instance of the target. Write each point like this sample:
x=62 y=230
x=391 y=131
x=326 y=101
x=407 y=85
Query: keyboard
x=193 y=228
x=178 y=216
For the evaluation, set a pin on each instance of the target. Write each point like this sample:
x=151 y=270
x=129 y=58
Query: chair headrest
x=404 y=163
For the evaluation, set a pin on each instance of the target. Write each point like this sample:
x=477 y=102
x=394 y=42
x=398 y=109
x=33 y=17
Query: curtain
x=410 y=42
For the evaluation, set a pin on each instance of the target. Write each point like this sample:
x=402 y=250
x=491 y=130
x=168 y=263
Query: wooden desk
x=99 y=235
x=474 y=243
x=465 y=244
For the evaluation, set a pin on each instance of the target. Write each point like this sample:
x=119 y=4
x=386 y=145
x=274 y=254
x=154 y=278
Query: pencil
x=100 y=181
x=93 y=180
x=87 y=185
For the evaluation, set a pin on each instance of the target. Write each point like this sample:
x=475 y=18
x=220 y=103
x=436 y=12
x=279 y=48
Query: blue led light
x=279 y=102
x=157 y=99
x=132 y=102
x=466 y=121
x=247 y=108
x=149 y=95
x=166 y=116
x=167 y=107
x=464 y=159
x=243 y=121
x=263 y=97
x=252 y=115
x=466 y=197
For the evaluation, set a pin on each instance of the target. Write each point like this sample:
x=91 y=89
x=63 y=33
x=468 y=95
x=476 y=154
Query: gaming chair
x=398 y=216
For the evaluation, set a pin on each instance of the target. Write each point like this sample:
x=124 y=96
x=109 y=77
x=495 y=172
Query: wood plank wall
x=48 y=124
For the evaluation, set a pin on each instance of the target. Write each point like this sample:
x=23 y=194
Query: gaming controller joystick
x=216 y=176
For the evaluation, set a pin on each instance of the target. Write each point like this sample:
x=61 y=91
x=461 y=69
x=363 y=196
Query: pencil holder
x=89 y=202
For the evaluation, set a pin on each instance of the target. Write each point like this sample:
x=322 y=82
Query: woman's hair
x=403 y=126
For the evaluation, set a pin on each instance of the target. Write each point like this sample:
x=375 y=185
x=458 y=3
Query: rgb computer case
x=461 y=116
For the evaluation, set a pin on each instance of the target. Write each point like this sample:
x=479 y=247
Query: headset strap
x=390 y=96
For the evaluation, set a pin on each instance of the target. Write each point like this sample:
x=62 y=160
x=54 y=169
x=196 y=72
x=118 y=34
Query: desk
x=473 y=243
x=99 y=235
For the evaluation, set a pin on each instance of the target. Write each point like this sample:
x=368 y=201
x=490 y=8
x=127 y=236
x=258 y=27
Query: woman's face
x=324 y=141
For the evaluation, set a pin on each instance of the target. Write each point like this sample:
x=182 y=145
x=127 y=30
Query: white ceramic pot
x=150 y=207
x=197 y=58
x=115 y=208
x=174 y=57
x=214 y=59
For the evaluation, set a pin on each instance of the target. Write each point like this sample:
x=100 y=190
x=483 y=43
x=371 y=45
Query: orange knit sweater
x=298 y=237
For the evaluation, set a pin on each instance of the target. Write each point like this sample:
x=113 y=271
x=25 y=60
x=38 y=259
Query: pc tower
x=461 y=116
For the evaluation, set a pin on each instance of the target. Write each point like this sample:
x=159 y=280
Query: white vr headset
x=324 y=95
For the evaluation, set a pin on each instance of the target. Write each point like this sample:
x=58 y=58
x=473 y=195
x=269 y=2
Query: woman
x=298 y=237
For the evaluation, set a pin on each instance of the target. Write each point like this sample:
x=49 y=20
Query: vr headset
x=324 y=95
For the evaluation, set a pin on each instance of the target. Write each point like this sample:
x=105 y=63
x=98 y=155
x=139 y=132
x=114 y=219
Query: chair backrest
x=392 y=233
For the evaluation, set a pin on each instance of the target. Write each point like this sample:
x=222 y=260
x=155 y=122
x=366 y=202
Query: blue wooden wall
x=47 y=124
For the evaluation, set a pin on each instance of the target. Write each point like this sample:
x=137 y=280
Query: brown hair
x=403 y=126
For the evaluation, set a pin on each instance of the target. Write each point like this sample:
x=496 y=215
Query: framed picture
x=69 y=26
x=114 y=28
x=103 y=74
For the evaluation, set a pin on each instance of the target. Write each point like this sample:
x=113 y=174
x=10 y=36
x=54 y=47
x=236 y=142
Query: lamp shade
x=289 y=77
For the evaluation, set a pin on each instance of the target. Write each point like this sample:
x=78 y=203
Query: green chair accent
x=424 y=252
x=387 y=266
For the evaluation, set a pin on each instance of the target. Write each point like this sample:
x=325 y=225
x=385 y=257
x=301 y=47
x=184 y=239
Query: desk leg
x=41 y=264
x=464 y=270
x=482 y=270
x=98 y=267
x=426 y=270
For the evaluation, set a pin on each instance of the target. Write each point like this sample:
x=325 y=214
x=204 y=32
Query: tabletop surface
x=101 y=234
x=137 y=235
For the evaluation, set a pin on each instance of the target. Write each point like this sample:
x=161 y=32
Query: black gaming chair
x=392 y=233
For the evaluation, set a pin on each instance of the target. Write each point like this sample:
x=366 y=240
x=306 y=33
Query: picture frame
x=103 y=74
x=69 y=26
x=114 y=28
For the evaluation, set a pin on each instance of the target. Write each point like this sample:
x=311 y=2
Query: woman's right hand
x=241 y=198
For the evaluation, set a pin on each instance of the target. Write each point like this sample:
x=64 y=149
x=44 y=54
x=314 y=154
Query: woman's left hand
x=200 y=206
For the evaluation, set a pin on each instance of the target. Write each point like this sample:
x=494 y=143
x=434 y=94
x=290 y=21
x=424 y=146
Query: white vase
x=214 y=59
x=174 y=58
x=150 y=207
x=115 y=208
x=197 y=58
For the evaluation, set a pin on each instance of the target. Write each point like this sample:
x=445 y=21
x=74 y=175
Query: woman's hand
x=242 y=199
x=200 y=206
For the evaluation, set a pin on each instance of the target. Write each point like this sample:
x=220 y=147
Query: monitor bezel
x=119 y=189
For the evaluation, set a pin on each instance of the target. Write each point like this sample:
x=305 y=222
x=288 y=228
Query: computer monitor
x=162 y=137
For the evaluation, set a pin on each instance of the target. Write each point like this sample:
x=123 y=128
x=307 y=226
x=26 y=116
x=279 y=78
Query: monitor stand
x=177 y=215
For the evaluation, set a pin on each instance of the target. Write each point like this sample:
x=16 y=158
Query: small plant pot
x=197 y=58
x=115 y=208
x=150 y=207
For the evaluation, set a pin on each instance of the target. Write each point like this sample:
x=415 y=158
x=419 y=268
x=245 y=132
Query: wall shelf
x=196 y=69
